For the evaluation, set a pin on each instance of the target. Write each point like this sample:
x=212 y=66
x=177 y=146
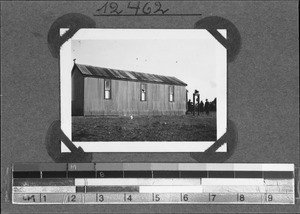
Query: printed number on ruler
x=185 y=197
x=241 y=197
x=128 y=197
x=156 y=197
x=132 y=8
x=43 y=198
x=269 y=197
x=100 y=197
x=74 y=198
x=212 y=196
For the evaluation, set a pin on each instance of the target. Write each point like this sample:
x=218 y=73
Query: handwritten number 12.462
x=136 y=7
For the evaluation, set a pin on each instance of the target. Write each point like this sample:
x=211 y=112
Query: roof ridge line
x=96 y=71
x=125 y=70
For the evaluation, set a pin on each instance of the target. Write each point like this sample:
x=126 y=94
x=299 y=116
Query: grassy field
x=145 y=128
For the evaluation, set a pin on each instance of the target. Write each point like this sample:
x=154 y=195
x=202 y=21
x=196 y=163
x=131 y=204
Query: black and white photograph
x=138 y=106
x=141 y=86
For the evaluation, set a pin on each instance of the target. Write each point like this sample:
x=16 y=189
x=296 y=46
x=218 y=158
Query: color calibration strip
x=144 y=183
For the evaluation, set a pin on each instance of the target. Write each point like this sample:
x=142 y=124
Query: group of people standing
x=202 y=107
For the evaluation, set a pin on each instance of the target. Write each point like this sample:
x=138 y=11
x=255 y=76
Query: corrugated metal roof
x=109 y=73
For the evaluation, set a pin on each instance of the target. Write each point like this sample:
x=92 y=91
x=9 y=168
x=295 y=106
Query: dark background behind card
x=263 y=89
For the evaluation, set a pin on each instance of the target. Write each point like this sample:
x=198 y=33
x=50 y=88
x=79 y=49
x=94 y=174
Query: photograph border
x=66 y=64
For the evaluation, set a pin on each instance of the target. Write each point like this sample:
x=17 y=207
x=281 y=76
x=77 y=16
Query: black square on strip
x=130 y=188
x=165 y=174
x=81 y=174
x=137 y=174
x=248 y=174
x=109 y=174
x=193 y=174
x=220 y=174
x=276 y=175
x=54 y=174
x=80 y=188
x=34 y=174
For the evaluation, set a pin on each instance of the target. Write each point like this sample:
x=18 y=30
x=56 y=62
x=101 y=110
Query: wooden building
x=104 y=91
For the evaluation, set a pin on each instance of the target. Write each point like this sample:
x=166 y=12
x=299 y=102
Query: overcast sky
x=190 y=60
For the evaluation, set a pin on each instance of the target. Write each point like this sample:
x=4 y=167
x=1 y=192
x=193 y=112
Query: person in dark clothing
x=189 y=106
x=201 y=107
x=206 y=107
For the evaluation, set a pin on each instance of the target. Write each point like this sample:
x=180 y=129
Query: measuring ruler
x=152 y=183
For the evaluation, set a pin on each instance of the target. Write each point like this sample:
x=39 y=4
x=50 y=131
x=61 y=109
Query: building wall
x=125 y=99
x=77 y=92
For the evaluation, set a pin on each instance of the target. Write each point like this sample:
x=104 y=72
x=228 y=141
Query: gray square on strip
x=90 y=198
x=81 y=166
x=110 y=197
x=52 y=198
x=136 y=166
x=26 y=198
x=217 y=197
x=195 y=197
x=249 y=198
x=73 y=198
x=139 y=197
x=279 y=198
x=166 y=197
x=109 y=166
